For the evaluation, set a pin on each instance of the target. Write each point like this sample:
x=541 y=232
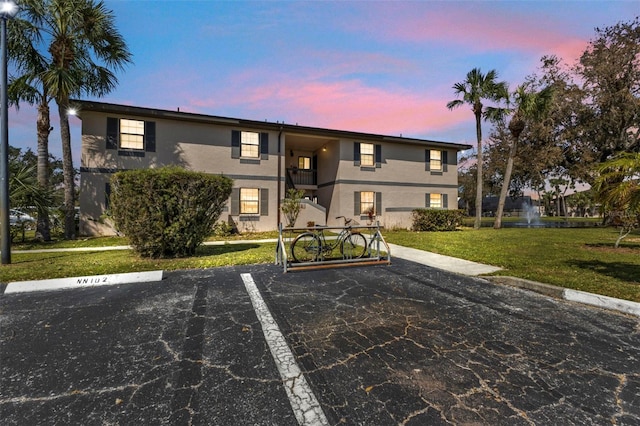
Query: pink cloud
x=346 y=105
x=478 y=27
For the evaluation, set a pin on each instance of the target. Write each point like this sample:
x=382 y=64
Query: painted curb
x=605 y=302
x=79 y=282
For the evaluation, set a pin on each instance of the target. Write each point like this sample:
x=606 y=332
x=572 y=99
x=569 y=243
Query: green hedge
x=436 y=219
x=167 y=212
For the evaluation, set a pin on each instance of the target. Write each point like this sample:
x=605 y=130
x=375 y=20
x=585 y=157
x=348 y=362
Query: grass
x=31 y=266
x=577 y=258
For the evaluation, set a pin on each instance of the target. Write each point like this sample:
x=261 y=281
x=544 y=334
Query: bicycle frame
x=327 y=248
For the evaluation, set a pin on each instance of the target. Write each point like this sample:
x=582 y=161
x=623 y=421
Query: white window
x=249 y=201
x=435 y=163
x=131 y=134
x=304 y=163
x=250 y=144
x=367 y=154
x=367 y=202
x=435 y=201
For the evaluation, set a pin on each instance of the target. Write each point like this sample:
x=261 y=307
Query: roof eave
x=263 y=125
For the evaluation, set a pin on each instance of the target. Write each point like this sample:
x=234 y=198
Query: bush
x=223 y=229
x=291 y=206
x=167 y=212
x=436 y=220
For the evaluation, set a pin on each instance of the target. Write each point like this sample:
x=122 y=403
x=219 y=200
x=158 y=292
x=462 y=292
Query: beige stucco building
x=343 y=173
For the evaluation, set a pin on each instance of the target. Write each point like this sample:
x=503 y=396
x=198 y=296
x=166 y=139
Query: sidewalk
x=446 y=263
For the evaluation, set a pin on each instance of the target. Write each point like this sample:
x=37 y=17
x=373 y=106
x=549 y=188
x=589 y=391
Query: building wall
x=194 y=146
x=401 y=180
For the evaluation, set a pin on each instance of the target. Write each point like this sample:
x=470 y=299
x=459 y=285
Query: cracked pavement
x=387 y=345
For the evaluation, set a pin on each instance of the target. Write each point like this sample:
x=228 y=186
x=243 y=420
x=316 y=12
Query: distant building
x=342 y=173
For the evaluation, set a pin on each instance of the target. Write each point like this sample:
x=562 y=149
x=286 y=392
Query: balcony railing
x=307 y=177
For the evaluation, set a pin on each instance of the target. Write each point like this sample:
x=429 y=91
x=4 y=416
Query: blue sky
x=373 y=66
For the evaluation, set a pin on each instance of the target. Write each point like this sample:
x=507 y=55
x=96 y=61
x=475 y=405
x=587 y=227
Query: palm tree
x=28 y=87
x=618 y=188
x=529 y=106
x=618 y=184
x=474 y=89
x=75 y=47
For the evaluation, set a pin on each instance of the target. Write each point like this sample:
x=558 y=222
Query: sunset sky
x=373 y=66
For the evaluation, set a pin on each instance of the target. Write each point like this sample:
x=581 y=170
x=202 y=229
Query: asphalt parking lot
x=384 y=345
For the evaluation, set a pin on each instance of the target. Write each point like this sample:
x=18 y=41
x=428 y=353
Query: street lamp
x=8 y=10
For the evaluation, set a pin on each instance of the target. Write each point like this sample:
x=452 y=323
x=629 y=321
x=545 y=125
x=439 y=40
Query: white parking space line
x=303 y=401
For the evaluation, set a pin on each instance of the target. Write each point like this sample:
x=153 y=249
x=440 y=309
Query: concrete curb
x=605 y=302
x=88 y=281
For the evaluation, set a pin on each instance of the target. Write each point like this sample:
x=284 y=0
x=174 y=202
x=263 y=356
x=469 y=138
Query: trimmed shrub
x=167 y=212
x=291 y=206
x=436 y=219
x=223 y=229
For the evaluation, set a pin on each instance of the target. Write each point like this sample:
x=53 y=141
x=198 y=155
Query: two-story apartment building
x=343 y=173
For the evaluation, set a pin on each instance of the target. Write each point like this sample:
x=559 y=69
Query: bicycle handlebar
x=346 y=220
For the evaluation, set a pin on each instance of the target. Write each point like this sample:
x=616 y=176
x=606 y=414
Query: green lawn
x=30 y=266
x=578 y=258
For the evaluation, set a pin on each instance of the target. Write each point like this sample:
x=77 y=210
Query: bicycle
x=313 y=246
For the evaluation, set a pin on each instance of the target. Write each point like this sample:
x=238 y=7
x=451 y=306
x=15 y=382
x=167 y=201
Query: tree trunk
x=67 y=171
x=476 y=224
x=505 y=183
x=43 y=127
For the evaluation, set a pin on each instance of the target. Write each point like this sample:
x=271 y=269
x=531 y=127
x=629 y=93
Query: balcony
x=301 y=177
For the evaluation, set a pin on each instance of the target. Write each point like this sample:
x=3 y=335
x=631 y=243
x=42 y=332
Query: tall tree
x=476 y=88
x=77 y=48
x=528 y=106
x=28 y=87
x=610 y=69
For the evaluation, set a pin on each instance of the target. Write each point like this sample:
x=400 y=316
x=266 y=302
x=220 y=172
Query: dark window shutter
x=107 y=195
x=427 y=200
x=445 y=201
x=378 y=207
x=112 y=132
x=427 y=160
x=150 y=136
x=235 y=144
x=378 y=156
x=356 y=203
x=356 y=153
x=264 y=146
x=264 y=202
x=235 y=201
x=445 y=160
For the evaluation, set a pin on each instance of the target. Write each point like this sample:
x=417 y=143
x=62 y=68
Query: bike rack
x=377 y=251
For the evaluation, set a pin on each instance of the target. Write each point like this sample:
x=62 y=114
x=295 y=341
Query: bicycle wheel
x=353 y=246
x=306 y=248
